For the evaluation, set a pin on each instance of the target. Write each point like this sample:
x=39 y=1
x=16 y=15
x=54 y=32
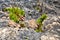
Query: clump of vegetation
x=22 y=24
x=37 y=8
x=16 y=14
x=39 y=22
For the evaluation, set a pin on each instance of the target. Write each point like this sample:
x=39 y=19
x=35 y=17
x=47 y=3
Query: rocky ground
x=51 y=25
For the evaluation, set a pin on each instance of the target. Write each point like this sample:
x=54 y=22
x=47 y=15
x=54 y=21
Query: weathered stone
x=32 y=23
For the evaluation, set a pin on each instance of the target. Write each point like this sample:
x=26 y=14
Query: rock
x=50 y=20
x=50 y=36
x=52 y=31
x=3 y=14
x=51 y=25
x=3 y=22
x=32 y=23
x=12 y=34
x=13 y=24
x=24 y=4
x=52 y=6
x=3 y=19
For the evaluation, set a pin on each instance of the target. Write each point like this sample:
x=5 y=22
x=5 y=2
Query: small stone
x=4 y=17
x=32 y=23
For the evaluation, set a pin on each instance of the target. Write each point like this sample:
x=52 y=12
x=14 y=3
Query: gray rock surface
x=50 y=20
x=51 y=25
x=52 y=6
x=3 y=19
x=52 y=32
x=8 y=33
x=50 y=36
x=21 y=34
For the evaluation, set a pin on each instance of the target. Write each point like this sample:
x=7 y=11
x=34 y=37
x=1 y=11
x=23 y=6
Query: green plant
x=39 y=22
x=38 y=8
x=15 y=13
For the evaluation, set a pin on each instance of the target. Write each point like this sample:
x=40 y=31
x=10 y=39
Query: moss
x=15 y=13
x=38 y=8
x=39 y=22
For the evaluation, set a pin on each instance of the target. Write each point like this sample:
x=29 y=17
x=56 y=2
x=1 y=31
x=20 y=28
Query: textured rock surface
x=29 y=34
x=3 y=19
x=51 y=25
x=52 y=19
x=52 y=7
x=53 y=32
x=50 y=36
x=21 y=34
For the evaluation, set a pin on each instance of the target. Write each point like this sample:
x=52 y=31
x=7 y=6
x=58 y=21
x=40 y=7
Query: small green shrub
x=39 y=22
x=15 y=13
